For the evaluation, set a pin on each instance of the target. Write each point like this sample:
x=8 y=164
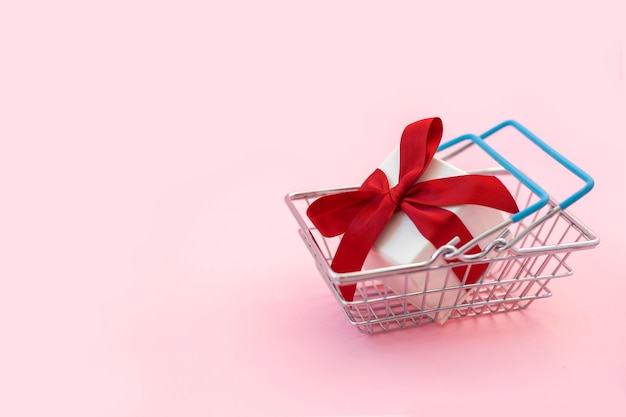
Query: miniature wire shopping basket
x=524 y=253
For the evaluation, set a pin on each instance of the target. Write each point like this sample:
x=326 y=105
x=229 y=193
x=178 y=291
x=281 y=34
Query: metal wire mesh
x=515 y=276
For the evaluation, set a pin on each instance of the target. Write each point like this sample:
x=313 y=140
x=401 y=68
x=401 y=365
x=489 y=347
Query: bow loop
x=332 y=214
x=415 y=155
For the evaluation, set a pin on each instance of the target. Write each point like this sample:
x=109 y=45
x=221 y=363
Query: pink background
x=148 y=263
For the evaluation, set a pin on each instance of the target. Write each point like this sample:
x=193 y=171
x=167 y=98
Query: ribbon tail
x=439 y=226
x=359 y=238
x=483 y=190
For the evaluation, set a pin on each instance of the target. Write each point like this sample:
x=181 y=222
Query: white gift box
x=401 y=243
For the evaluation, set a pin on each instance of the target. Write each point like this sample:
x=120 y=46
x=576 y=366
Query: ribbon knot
x=396 y=194
x=362 y=215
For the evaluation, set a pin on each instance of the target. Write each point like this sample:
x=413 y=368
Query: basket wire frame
x=516 y=274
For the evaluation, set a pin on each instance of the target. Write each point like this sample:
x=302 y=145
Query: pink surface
x=148 y=264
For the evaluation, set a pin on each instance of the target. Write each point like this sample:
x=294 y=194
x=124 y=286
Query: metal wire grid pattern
x=515 y=277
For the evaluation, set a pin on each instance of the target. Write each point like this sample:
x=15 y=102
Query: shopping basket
x=524 y=253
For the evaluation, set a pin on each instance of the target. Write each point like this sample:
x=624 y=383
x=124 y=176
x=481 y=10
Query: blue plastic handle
x=574 y=169
x=523 y=178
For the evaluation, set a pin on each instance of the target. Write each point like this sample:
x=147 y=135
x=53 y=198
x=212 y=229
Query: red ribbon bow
x=362 y=215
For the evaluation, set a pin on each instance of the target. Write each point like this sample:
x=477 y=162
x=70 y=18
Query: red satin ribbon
x=362 y=215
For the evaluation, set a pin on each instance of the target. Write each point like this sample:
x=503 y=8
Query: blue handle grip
x=523 y=178
x=576 y=170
